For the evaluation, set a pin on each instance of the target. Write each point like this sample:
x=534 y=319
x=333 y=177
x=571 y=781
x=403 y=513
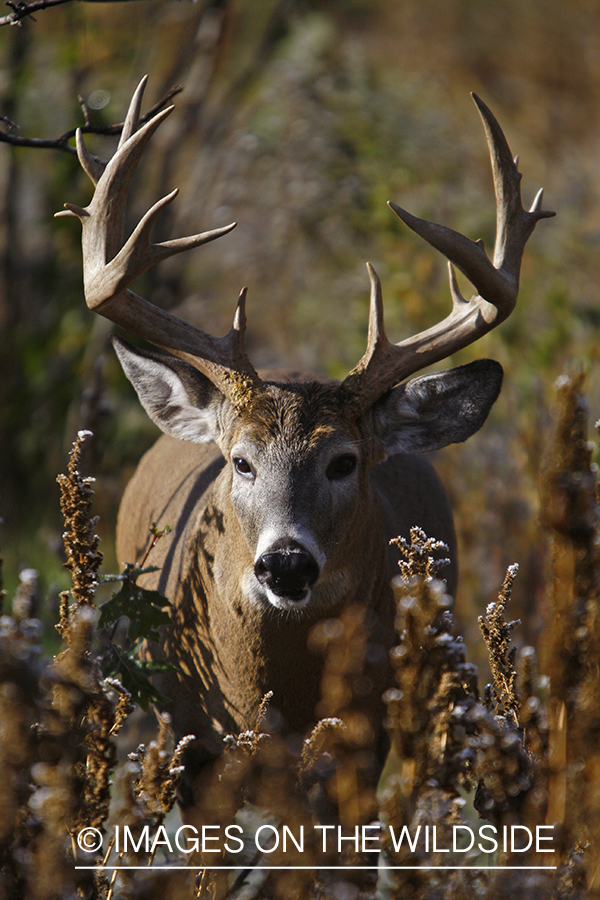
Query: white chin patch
x=285 y=602
x=258 y=594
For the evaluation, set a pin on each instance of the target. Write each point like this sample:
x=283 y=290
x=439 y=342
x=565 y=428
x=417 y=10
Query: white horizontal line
x=249 y=867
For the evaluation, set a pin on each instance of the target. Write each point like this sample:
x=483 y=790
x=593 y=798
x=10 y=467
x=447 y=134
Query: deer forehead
x=299 y=416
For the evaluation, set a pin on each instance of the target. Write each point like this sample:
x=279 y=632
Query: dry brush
x=523 y=752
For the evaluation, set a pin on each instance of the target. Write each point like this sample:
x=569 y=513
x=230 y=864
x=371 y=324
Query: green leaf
x=134 y=673
x=146 y=612
x=144 y=608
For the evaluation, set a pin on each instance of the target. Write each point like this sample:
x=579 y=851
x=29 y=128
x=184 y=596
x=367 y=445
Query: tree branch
x=62 y=142
x=21 y=10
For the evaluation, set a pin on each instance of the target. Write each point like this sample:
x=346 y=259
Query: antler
x=110 y=265
x=497 y=283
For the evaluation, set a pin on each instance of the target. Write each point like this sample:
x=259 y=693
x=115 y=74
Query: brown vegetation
x=523 y=755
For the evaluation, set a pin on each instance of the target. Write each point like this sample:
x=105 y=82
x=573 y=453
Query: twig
x=62 y=142
x=22 y=10
x=156 y=536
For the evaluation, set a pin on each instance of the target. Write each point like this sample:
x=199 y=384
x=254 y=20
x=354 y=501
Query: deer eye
x=242 y=466
x=341 y=467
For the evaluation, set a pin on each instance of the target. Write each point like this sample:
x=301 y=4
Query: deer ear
x=178 y=398
x=435 y=410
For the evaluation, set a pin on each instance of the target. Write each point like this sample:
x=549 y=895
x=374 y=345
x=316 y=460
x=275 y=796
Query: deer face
x=299 y=471
x=298 y=460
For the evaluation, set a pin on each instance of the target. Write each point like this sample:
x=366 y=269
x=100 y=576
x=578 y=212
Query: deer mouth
x=293 y=596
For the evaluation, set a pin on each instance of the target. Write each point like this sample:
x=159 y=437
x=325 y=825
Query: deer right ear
x=435 y=410
x=176 y=396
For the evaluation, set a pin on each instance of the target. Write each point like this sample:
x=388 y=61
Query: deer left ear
x=439 y=409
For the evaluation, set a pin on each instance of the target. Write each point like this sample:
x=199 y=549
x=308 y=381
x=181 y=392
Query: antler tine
x=112 y=264
x=496 y=283
x=377 y=343
x=139 y=254
x=91 y=165
x=132 y=119
x=514 y=225
x=104 y=219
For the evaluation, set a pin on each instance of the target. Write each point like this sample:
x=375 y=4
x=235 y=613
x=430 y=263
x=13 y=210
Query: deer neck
x=259 y=649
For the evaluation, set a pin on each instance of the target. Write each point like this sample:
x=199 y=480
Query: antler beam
x=112 y=264
x=497 y=283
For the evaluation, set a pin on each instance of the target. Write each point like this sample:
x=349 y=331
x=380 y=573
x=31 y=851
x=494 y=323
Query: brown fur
x=228 y=652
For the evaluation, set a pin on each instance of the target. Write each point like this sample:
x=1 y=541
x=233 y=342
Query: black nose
x=287 y=570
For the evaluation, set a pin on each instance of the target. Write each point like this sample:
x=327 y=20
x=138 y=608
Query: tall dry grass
x=524 y=751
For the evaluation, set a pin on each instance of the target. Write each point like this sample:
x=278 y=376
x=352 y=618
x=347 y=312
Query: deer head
x=293 y=447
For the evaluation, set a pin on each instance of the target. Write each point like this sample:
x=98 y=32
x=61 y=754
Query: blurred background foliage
x=299 y=119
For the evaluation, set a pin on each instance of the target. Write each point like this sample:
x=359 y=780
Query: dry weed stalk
x=572 y=638
x=426 y=714
x=496 y=634
x=91 y=708
x=80 y=541
x=258 y=782
x=157 y=772
x=446 y=740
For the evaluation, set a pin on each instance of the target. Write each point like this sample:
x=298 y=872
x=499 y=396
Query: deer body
x=231 y=641
x=287 y=522
x=231 y=651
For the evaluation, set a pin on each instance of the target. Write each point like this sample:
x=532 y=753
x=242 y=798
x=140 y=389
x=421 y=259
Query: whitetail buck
x=283 y=514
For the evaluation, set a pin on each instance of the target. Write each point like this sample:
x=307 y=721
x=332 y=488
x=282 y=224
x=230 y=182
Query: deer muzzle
x=288 y=570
